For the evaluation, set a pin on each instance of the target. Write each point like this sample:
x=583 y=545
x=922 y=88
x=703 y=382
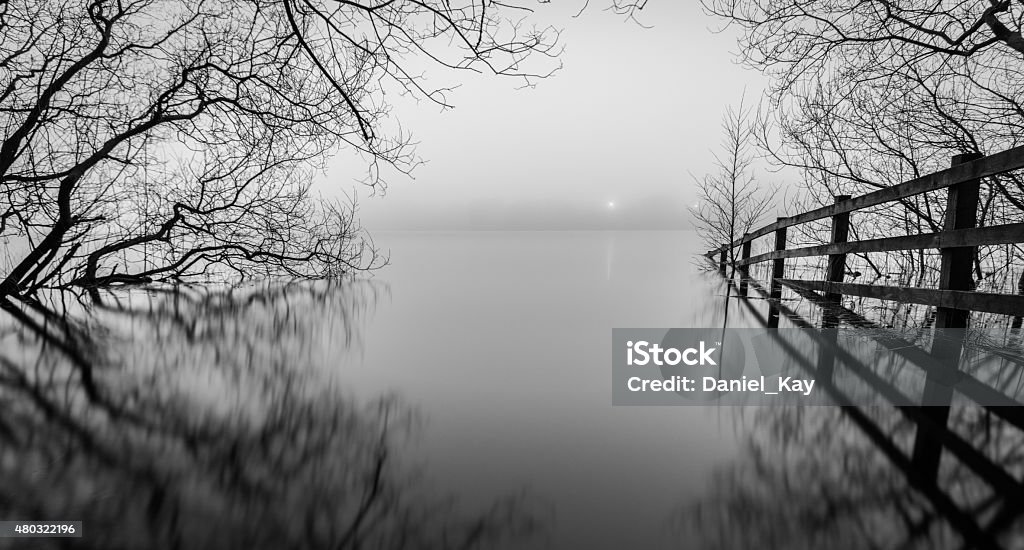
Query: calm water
x=460 y=397
x=503 y=340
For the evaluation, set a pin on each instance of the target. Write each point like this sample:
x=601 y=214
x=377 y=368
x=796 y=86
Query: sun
x=611 y=205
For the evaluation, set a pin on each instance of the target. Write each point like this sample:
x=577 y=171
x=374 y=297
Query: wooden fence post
x=778 y=272
x=834 y=273
x=745 y=268
x=958 y=263
x=1015 y=325
x=837 y=262
x=955 y=273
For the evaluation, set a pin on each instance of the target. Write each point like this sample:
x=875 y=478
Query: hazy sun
x=611 y=204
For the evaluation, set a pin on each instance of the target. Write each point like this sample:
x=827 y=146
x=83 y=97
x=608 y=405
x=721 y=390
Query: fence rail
x=957 y=242
x=1005 y=304
x=995 y=164
x=954 y=299
x=995 y=234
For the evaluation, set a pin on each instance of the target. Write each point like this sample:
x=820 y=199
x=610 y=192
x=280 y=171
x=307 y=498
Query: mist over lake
x=387 y=275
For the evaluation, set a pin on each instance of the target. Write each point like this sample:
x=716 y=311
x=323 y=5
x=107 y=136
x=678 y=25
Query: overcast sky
x=608 y=142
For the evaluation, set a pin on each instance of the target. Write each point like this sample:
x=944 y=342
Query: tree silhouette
x=866 y=95
x=730 y=201
x=168 y=139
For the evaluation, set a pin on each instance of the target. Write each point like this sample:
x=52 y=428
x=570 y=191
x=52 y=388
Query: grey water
x=458 y=398
x=503 y=339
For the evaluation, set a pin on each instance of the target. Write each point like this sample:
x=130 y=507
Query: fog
x=631 y=117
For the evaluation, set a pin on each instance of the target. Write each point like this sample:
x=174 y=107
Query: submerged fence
x=958 y=241
x=954 y=299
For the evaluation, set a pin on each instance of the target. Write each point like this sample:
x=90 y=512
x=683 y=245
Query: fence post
x=1015 y=324
x=778 y=272
x=834 y=273
x=837 y=262
x=954 y=274
x=958 y=262
x=745 y=268
x=721 y=259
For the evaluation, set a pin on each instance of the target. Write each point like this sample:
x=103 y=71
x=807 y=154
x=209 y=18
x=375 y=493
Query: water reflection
x=898 y=476
x=197 y=418
x=212 y=418
x=840 y=478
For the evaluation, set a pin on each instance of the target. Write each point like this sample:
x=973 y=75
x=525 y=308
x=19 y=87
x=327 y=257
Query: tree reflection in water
x=826 y=477
x=858 y=476
x=189 y=418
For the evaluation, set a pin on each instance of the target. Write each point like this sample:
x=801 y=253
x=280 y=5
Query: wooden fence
x=957 y=242
x=954 y=299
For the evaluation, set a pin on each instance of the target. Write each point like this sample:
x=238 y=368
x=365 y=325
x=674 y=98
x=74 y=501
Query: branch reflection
x=189 y=418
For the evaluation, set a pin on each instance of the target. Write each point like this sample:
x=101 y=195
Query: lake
x=503 y=340
x=459 y=397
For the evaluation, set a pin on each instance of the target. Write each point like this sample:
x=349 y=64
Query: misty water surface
x=458 y=398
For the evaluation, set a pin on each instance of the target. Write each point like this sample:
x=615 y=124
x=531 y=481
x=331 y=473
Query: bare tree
x=866 y=95
x=730 y=202
x=170 y=139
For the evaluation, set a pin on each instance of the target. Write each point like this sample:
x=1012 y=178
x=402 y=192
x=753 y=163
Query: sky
x=612 y=141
